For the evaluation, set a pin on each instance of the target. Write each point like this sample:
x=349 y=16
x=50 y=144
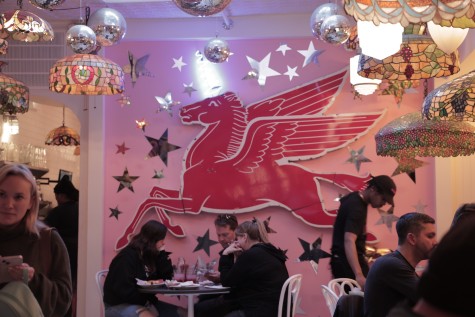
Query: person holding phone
x=45 y=266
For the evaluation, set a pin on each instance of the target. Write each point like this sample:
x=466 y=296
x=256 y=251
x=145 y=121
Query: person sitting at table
x=445 y=287
x=143 y=258
x=258 y=273
x=393 y=278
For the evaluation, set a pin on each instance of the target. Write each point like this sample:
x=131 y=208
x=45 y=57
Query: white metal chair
x=100 y=278
x=290 y=293
x=342 y=286
x=330 y=298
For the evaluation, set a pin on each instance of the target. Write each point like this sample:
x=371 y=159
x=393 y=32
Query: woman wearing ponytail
x=258 y=273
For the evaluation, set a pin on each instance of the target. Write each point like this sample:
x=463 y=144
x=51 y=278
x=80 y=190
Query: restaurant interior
x=395 y=113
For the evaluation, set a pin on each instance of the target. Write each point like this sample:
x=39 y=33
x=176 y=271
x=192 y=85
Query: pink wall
x=120 y=127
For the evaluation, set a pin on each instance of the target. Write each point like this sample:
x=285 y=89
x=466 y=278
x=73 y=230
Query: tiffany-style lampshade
x=62 y=135
x=86 y=74
x=454 y=100
x=25 y=26
x=14 y=94
x=418 y=58
x=410 y=135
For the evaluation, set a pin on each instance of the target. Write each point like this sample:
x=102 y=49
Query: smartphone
x=5 y=262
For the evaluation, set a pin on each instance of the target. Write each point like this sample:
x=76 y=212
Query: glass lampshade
x=363 y=85
x=25 y=26
x=379 y=41
x=14 y=95
x=86 y=74
x=447 y=38
x=62 y=135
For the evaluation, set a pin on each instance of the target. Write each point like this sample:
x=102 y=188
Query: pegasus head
x=211 y=110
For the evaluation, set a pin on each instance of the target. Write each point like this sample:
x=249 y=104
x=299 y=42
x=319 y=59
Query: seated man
x=392 y=278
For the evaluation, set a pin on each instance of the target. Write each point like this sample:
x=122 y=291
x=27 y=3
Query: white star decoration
x=357 y=157
x=311 y=54
x=420 y=207
x=387 y=218
x=262 y=69
x=291 y=72
x=189 y=89
x=166 y=103
x=283 y=48
x=178 y=63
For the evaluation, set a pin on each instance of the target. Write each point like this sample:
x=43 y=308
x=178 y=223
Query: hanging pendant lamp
x=14 y=94
x=62 y=135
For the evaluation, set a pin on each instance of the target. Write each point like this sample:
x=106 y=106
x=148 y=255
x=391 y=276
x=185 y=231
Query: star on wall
x=189 y=89
x=204 y=243
x=420 y=207
x=313 y=252
x=357 y=157
x=408 y=165
x=161 y=147
x=121 y=148
x=158 y=174
x=178 y=63
x=283 y=48
x=124 y=100
x=125 y=181
x=141 y=124
x=115 y=212
x=166 y=103
x=291 y=72
x=262 y=69
x=387 y=218
x=311 y=54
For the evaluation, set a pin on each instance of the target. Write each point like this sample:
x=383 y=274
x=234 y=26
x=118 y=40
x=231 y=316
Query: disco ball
x=202 y=8
x=109 y=26
x=217 y=51
x=46 y=4
x=321 y=13
x=335 y=29
x=81 y=39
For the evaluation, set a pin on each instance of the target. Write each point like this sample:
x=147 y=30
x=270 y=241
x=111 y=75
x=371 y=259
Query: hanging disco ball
x=202 y=8
x=46 y=4
x=81 y=39
x=335 y=29
x=319 y=14
x=217 y=51
x=109 y=26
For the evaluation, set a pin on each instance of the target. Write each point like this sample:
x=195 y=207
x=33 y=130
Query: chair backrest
x=289 y=294
x=342 y=286
x=330 y=299
x=100 y=278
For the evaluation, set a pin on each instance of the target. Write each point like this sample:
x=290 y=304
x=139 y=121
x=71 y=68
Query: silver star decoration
x=291 y=72
x=387 y=218
x=189 y=89
x=420 y=207
x=357 y=157
x=283 y=48
x=261 y=69
x=158 y=174
x=310 y=54
x=178 y=63
x=166 y=103
x=124 y=100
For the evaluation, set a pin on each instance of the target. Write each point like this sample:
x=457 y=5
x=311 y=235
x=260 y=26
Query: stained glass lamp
x=364 y=86
x=454 y=100
x=86 y=74
x=447 y=38
x=62 y=135
x=410 y=135
x=418 y=58
x=14 y=95
x=25 y=26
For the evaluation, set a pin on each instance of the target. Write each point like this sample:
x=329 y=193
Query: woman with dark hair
x=145 y=259
x=257 y=276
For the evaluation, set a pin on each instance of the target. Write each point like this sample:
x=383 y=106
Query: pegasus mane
x=239 y=123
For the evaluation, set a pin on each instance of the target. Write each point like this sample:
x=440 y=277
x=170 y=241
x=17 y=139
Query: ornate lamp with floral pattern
x=25 y=26
x=14 y=95
x=86 y=74
x=62 y=135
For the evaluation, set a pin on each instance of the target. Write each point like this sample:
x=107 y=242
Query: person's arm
x=352 y=257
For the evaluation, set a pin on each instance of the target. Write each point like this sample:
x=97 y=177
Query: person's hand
x=22 y=272
x=361 y=279
x=214 y=277
x=233 y=248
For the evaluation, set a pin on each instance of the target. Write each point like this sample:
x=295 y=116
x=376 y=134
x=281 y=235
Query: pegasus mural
x=246 y=158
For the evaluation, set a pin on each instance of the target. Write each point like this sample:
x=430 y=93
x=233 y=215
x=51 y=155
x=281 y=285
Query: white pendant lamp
x=447 y=38
x=379 y=41
x=364 y=86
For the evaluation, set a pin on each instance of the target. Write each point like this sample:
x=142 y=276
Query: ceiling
x=163 y=9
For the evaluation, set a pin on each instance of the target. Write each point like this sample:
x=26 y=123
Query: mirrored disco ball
x=335 y=29
x=46 y=4
x=319 y=14
x=109 y=26
x=81 y=39
x=217 y=50
x=202 y=7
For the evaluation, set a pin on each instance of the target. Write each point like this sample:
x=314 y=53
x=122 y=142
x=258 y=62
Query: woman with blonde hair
x=45 y=266
x=257 y=276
